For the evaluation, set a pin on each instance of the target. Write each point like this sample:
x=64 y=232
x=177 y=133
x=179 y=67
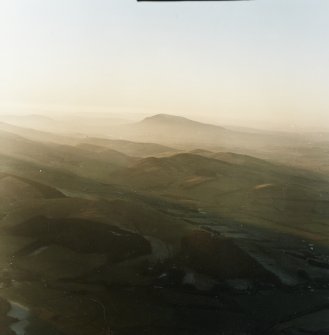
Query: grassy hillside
x=135 y=149
x=86 y=163
x=242 y=187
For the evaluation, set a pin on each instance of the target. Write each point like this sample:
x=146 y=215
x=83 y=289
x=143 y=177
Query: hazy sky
x=248 y=62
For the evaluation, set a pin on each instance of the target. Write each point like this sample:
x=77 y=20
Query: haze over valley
x=161 y=217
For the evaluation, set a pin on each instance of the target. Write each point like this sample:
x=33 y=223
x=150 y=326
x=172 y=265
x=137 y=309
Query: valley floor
x=173 y=297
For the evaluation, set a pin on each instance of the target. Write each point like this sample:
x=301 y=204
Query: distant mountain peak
x=166 y=117
x=180 y=121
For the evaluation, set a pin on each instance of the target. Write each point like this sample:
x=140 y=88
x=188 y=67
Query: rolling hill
x=135 y=149
x=77 y=160
x=241 y=187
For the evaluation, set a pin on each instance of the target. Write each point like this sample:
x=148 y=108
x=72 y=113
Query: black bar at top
x=183 y=0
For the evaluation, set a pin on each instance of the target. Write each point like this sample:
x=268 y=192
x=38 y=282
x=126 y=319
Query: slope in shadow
x=85 y=236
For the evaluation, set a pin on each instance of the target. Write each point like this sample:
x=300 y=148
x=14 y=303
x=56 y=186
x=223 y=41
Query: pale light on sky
x=253 y=63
